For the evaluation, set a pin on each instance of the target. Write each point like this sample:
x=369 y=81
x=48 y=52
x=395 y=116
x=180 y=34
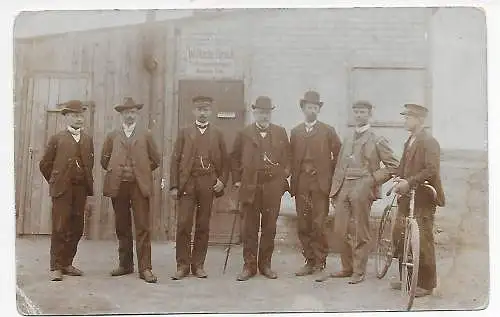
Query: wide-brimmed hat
x=312 y=97
x=75 y=106
x=412 y=109
x=128 y=103
x=362 y=104
x=200 y=100
x=263 y=102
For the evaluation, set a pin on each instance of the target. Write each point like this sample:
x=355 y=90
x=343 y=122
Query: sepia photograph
x=251 y=160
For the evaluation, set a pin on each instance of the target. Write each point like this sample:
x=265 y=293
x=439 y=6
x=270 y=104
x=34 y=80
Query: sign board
x=209 y=60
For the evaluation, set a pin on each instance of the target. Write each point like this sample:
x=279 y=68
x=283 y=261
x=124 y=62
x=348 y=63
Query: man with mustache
x=261 y=166
x=355 y=185
x=129 y=156
x=315 y=148
x=67 y=166
x=198 y=173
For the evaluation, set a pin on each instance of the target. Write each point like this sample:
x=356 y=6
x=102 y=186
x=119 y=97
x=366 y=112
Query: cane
x=230 y=241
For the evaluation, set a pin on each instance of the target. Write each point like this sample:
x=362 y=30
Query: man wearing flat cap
x=420 y=163
x=129 y=155
x=198 y=173
x=67 y=166
x=315 y=147
x=355 y=185
x=260 y=168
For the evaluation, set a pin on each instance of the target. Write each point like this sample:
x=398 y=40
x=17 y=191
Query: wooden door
x=229 y=115
x=43 y=120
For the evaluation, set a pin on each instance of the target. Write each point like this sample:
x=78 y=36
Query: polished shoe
x=180 y=274
x=267 y=272
x=341 y=274
x=122 y=271
x=72 y=271
x=396 y=285
x=148 y=276
x=421 y=292
x=56 y=275
x=245 y=275
x=357 y=278
x=307 y=269
x=199 y=272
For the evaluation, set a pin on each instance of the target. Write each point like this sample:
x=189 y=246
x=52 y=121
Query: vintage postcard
x=246 y=160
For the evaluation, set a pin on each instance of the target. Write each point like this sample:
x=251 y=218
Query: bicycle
x=411 y=245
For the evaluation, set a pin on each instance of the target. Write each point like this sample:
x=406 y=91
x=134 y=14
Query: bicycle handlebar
x=426 y=184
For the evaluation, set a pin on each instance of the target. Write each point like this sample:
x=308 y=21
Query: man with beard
x=129 y=155
x=261 y=158
x=199 y=171
x=315 y=147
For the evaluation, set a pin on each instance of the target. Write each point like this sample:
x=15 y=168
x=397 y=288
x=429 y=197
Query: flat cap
x=413 y=109
x=202 y=100
x=362 y=104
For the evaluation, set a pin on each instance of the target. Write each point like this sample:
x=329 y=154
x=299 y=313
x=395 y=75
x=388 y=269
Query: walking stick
x=230 y=240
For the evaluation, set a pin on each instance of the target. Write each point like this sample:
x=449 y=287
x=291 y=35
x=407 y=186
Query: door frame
x=26 y=146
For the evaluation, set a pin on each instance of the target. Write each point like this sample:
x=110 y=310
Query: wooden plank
x=26 y=157
x=37 y=143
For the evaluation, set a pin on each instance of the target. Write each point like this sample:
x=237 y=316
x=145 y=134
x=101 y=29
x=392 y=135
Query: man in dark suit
x=315 y=147
x=261 y=159
x=129 y=155
x=199 y=171
x=420 y=163
x=67 y=166
x=355 y=185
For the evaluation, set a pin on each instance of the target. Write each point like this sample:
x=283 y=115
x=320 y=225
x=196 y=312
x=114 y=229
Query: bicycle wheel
x=384 y=247
x=411 y=257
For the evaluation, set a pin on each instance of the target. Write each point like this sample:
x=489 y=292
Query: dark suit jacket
x=145 y=158
x=245 y=159
x=58 y=157
x=325 y=154
x=420 y=163
x=183 y=156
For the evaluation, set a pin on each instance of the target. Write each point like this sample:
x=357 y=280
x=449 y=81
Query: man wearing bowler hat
x=261 y=165
x=355 y=185
x=67 y=166
x=199 y=172
x=420 y=163
x=129 y=155
x=315 y=147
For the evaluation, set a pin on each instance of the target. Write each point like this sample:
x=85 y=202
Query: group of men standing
x=321 y=168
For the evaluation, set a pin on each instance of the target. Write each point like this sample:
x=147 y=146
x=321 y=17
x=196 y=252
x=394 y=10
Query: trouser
x=67 y=225
x=262 y=212
x=197 y=199
x=352 y=224
x=312 y=210
x=130 y=196
x=424 y=214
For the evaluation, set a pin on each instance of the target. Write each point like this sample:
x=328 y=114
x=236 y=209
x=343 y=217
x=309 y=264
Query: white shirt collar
x=128 y=129
x=201 y=125
x=310 y=124
x=363 y=128
x=75 y=133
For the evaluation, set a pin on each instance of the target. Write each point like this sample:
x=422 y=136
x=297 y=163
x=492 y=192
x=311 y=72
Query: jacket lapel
x=413 y=147
x=253 y=134
x=301 y=136
x=363 y=138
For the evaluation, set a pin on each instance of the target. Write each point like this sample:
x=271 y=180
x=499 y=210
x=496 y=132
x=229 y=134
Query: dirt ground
x=463 y=273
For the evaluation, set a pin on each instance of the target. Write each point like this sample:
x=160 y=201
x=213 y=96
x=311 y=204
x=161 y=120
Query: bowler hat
x=128 y=103
x=263 y=102
x=415 y=110
x=362 y=104
x=75 y=106
x=202 y=101
x=311 y=96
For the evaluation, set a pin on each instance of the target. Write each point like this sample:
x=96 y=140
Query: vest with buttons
x=357 y=166
x=128 y=169
x=265 y=148
x=202 y=151
x=76 y=171
x=307 y=163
